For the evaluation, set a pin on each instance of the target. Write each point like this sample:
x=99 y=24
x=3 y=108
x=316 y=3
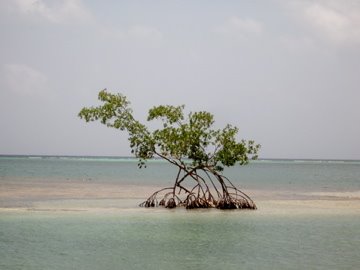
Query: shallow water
x=297 y=175
x=178 y=240
x=81 y=213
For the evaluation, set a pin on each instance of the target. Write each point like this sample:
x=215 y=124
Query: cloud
x=297 y=43
x=337 y=21
x=146 y=35
x=62 y=11
x=23 y=79
x=239 y=27
x=144 y=32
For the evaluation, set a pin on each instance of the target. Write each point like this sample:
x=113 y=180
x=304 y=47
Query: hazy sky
x=287 y=73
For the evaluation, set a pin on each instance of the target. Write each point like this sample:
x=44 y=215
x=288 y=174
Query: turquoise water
x=128 y=237
x=178 y=240
x=306 y=175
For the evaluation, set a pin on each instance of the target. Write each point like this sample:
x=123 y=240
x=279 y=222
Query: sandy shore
x=274 y=208
x=99 y=197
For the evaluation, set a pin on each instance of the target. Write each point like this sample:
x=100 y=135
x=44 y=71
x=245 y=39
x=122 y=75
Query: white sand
x=98 y=197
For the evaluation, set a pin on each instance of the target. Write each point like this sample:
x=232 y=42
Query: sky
x=287 y=73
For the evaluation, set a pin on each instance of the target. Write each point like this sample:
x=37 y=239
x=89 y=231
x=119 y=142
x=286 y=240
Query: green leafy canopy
x=183 y=139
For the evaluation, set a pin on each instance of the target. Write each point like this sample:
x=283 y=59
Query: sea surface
x=82 y=213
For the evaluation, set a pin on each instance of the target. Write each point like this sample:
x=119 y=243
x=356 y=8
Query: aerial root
x=195 y=201
x=192 y=201
x=168 y=201
x=231 y=203
x=201 y=196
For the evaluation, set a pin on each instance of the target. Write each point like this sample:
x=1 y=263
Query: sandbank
x=91 y=197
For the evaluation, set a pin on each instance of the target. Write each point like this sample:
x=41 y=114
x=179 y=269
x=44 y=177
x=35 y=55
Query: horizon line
x=133 y=157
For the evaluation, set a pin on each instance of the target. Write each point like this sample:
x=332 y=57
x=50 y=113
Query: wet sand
x=73 y=196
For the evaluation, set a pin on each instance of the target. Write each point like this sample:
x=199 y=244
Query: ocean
x=82 y=213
